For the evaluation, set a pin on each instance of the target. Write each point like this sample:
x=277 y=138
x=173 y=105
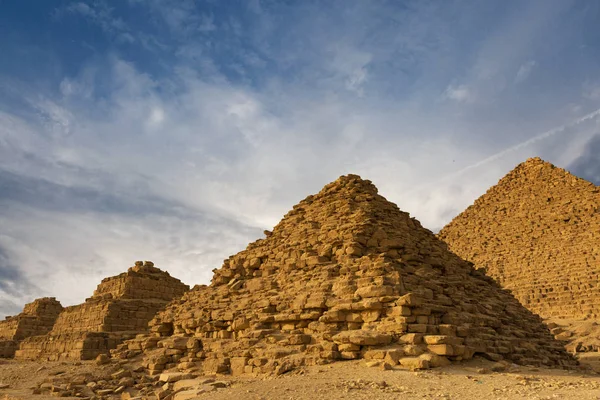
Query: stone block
x=414 y=363
x=362 y=338
x=441 y=349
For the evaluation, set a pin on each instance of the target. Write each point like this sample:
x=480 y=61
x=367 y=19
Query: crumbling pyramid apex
x=544 y=172
x=536 y=232
x=345 y=275
x=352 y=180
x=142 y=281
x=311 y=233
x=536 y=161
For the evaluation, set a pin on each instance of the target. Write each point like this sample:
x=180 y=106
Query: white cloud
x=351 y=66
x=207 y=23
x=591 y=90
x=66 y=87
x=460 y=93
x=157 y=116
x=524 y=71
x=57 y=119
x=356 y=80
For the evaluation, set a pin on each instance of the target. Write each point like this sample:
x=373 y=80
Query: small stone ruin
x=37 y=318
x=120 y=308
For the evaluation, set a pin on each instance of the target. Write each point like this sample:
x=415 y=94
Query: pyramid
x=120 y=308
x=537 y=233
x=37 y=318
x=344 y=275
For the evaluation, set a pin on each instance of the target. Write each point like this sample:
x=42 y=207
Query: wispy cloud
x=99 y=12
x=524 y=71
x=460 y=93
x=593 y=116
x=591 y=90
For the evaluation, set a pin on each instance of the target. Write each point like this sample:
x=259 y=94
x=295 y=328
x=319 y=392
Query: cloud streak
x=542 y=136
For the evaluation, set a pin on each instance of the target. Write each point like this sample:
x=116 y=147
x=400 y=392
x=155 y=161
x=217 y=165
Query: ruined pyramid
x=37 y=318
x=120 y=308
x=537 y=232
x=344 y=275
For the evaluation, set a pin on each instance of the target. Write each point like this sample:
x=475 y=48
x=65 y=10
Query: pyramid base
x=71 y=346
x=273 y=350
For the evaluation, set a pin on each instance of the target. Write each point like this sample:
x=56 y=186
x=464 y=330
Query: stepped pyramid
x=120 y=308
x=537 y=232
x=344 y=275
x=37 y=318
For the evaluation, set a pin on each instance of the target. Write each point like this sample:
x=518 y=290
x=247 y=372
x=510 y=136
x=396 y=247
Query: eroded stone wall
x=37 y=318
x=68 y=346
x=143 y=281
x=120 y=308
x=8 y=327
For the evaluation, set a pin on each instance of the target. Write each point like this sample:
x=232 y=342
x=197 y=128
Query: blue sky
x=177 y=131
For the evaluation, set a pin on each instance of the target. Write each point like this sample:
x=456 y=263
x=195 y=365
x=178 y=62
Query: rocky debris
x=102 y=359
x=470 y=380
x=579 y=336
x=352 y=386
x=536 y=232
x=528 y=384
x=120 y=308
x=37 y=318
x=119 y=380
x=108 y=381
x=345 y=275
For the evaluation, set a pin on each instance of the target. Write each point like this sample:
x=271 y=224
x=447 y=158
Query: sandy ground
x=353 y=380
x=473 y=380
x=22 y=377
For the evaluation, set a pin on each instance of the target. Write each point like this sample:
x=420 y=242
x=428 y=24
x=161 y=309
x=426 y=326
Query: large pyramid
x=120 y=308
x=344 y=275
x=537 y=232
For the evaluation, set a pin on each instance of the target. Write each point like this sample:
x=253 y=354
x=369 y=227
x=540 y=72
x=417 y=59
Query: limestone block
x=442 y=339
x=442 y=349
x=362 y=338
x=169 y=377
x=374 y=291
x=435 y=360
x=393 y=356
x=414 y=363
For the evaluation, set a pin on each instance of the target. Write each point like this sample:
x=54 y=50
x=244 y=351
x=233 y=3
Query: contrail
x=532 y=140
